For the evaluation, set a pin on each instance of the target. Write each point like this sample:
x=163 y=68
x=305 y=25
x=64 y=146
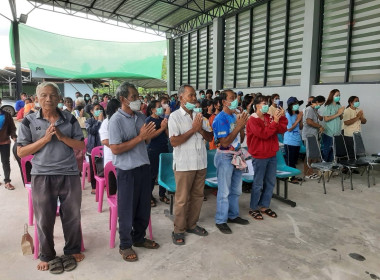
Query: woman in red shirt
x=262 y=142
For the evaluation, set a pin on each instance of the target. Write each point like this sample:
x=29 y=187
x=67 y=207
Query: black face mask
x=79 y=108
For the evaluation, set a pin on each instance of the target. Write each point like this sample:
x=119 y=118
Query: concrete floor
x=310 y=241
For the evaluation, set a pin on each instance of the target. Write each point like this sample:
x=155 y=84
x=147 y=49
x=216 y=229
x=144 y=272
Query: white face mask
x=135 y=105
x=36 y=105
x=165 y=106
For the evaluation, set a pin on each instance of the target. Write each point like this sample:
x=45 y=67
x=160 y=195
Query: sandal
x=270 y=213
x=127 y=254
x=93 y=191
x=55 y=266
x=176 y=237
x=198 y=231
x=153 y=203
x=9 y=186
x=293 y=181
x=165 y=199
x=68 y=262
x=256 y=214
x=148 y=244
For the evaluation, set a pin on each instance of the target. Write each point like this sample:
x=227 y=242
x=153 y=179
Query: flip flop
x=128 y=252
x=148 y=244
x=69 y=263
x=56 y=266
x=178 y=236
x=9 y=186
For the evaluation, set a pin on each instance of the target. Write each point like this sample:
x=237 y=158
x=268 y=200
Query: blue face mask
x=317 y=107
x=336 y=98
x=60 y=105
x=264 y=109
x=356 y=104
x=97 y=113
x=197 y=110
x=190 y=106
x=296 y=107
x=202 y=96
x=159 y=111
x=234 y=105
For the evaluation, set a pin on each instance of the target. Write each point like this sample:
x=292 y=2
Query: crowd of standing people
x=135 y=130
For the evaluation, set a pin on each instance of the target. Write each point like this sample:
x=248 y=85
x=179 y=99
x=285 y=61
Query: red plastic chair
x=86 y=167
x=112 y=202
x=28 y=186
x=100 y=181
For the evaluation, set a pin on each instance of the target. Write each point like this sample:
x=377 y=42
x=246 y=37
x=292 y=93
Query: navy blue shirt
x=160 y=143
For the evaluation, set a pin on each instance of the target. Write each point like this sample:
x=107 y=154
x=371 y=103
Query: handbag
x=99 y=165
x=27 y=242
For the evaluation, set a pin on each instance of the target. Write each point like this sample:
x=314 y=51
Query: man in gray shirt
x=51 y=135
x=128 y=135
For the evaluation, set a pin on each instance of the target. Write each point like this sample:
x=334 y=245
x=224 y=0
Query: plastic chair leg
x=88 y=174
x=97 y=192
x=36 y=243
x=324 y=184
x=100 y=196
x=83 y=176
x=113 y=220
x=150 y=229
x=30 y=206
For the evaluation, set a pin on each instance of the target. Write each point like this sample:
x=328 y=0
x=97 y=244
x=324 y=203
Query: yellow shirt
x=356 y=126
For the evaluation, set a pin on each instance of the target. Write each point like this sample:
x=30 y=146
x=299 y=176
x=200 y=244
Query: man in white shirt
x=187 y=129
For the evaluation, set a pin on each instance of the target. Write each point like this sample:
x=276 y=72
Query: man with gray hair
x=51 y=135
x=128 y=135
x=187 y=132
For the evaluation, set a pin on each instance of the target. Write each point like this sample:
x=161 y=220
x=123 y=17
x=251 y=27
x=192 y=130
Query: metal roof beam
x=119 y=6
x=144 y=10
x=12 y=4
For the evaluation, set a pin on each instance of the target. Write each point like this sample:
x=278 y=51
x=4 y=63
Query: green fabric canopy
x=74 y=58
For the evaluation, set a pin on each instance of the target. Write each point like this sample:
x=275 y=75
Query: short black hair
x=319 y=99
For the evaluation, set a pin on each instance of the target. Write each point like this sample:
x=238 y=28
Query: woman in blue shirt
x=157 y=145
x=292 y=137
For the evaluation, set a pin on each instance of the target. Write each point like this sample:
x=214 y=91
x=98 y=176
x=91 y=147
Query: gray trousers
x=46 y=189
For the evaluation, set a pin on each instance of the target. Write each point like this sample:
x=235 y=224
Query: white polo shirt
x=192 y=154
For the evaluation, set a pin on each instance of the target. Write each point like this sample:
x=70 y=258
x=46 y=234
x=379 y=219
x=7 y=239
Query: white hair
x=47 y=84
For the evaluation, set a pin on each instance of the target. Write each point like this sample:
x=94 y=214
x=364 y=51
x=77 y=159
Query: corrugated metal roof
x=160 y=16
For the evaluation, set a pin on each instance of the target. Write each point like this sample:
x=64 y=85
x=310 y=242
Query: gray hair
x=80 y=101
x=47 y=84
x=182 y=89
x=123 y=90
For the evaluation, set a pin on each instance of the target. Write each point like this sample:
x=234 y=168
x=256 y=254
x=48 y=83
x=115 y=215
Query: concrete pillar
x=310 y=45
x=217 y=60
x=170 y=65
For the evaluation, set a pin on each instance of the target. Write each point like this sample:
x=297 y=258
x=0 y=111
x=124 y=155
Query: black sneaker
x=224 y=228
x=239 y=221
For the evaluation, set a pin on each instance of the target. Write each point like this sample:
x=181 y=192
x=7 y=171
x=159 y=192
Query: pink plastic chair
x=28 y=186
x=112 y=202
x=86 y=167
x=100 y=181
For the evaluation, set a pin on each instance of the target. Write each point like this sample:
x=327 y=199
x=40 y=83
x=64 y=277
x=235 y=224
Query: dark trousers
x=350 y=146
x=93 y=181
x=291 y=155
x=327 y=151
x=5 y=151
x=154 y=158
x=18 y=159
x=46 y=190
x=133 y=203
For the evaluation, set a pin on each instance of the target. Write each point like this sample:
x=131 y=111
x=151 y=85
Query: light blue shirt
x=292 y=138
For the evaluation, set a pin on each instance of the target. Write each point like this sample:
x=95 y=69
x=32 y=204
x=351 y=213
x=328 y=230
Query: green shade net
x=74 y=58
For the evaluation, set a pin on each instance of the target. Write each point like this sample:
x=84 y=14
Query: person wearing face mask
x=60 y=104
x=332 y=115
x=164 y=100
x=128 y=136
x=353 y=118
x=292 y=137
x=274 y=99
x=311 y=126
x=95 y=98
x=262 y=142
x=187 y=132
x=87 y=98
x=81 y=115
x=157 y=145
x=218 y=107
x=93 y=138
x=174 y=103
x=202 y=96
x=228 y=128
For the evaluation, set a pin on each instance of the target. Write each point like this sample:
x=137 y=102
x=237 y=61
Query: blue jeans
x=263 y=182
x=229 y=188
x=327 y=151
